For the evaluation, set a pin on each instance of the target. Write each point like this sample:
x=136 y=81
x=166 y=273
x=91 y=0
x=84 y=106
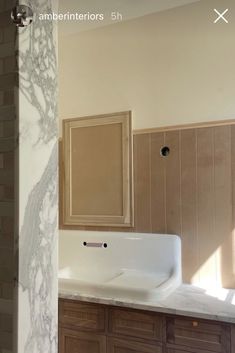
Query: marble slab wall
x=8 y=77
x=36 y=291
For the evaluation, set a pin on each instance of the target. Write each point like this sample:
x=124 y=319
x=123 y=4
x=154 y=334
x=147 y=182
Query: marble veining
x=38 y=184
x=38 y=71
x=187 y=300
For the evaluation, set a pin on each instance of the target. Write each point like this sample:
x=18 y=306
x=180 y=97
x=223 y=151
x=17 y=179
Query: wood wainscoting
x=190 y=192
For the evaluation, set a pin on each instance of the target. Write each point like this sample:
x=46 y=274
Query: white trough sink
x=134 y=266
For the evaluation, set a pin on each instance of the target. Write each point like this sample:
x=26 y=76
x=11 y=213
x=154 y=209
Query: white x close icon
x=221 y=16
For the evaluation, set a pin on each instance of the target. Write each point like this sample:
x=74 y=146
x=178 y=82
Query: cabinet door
x=97 y=165
x=85 y=316
x=80 y=342
x=135 y=323
x=202 y=335
x=116 y=345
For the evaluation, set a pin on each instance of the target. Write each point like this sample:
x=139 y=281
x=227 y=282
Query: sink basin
x=119 y=265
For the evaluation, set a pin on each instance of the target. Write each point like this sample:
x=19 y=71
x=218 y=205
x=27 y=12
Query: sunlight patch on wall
x=233 y=250
x=209 y=274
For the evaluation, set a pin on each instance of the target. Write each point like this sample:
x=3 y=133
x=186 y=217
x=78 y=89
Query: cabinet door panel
x=198 y=334
x=82 y=315
x=80 y=342
x=136 y=324
x=116 y=345
x=97 y=165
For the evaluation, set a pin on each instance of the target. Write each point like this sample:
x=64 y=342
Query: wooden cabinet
x=96 y=164
x=198 y=334
x=116 y=345
x=135 y=324
x=79 y=342
x=96 y=328
x=83 y=316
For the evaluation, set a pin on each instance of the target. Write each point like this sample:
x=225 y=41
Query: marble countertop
x=214 y=304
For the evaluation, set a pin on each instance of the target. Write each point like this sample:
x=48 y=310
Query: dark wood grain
x=135 y=324
x=80 y=342
x=116 y=345
x=84 y=316
x=201 y=334
x=232 y=338
x=137 y=331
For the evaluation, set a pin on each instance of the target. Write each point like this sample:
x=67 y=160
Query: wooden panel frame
x=83 y=337
x=188 y=333
x=185 y=126
x=158 y=336
x=84 y=316
x=127 y=218
x=130 y=346
x=133 y=323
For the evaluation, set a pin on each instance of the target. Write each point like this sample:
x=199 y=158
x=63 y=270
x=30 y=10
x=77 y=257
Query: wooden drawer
x=136 y=324
x=116 y=345
x=81 y=342
x=198 y=334
x=82 y=315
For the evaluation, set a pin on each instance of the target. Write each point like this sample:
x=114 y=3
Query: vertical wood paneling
x=173 y=197
x=191 y=193
x=189 y=200
x=205 y=204
x=233 y=205
x=223 y=199
x=142 y=183
x=158 y=165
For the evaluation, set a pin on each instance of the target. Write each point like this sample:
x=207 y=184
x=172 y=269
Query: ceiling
x=128 y=8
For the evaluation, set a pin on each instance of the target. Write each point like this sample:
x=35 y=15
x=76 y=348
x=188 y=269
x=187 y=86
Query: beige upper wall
x=106 y=7
x=169 y=68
